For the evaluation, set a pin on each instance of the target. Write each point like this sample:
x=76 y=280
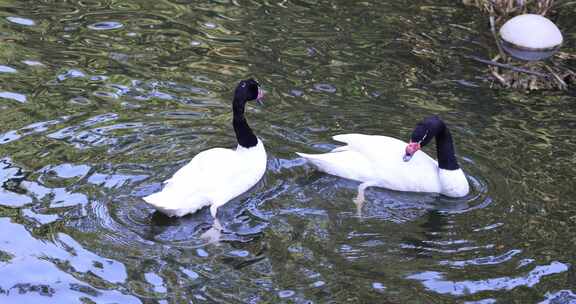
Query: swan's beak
x=411 y=148
x=260 y=97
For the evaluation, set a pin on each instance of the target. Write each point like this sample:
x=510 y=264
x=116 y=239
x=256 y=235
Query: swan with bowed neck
x=215 y=176
x=390 y=163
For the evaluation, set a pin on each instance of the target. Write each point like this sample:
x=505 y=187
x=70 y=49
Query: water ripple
x=105 y=25
x=21 y=21
x=14 y=96
x=59 y=272
x=560 y=297
x=7 y=69
x=488 y=260
x=435 y=281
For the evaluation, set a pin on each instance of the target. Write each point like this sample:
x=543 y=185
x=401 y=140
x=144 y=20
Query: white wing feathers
x=378 y=159
x=212 y=177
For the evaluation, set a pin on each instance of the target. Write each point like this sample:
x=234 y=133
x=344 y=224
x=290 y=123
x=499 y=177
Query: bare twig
x=501 y=79
x=561 y=84
x=507 y=66
x=496 y=39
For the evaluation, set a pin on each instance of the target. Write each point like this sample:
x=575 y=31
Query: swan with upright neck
x=215 y=176
x=387 y=162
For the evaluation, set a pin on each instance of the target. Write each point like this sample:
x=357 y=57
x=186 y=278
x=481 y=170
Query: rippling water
x=103 y=100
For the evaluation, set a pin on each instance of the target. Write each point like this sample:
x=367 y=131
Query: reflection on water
x=103 y=100
x=435 y=281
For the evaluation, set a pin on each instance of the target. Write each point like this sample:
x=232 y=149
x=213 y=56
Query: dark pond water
x=102 y=100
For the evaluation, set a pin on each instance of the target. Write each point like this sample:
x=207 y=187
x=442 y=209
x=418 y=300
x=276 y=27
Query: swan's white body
x=211 y=178
x=377 y=161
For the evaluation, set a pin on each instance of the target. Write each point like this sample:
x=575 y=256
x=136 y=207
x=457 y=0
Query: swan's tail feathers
x=340 y=137
x=312 y=158
x=304 y=155
x=348 y=138
x=340 y=162
x=173 y=204
x=320 y=161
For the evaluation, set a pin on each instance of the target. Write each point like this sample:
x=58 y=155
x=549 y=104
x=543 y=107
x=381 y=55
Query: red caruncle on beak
x=412 y=148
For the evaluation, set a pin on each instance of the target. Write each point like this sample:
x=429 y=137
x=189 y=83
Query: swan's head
x=423 y=133
x=247 y=90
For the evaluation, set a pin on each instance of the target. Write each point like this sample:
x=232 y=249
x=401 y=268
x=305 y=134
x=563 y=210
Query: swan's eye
x=243 y=84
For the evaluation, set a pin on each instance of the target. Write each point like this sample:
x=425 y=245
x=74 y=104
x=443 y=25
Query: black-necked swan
x=215 y=176
x=390 y=163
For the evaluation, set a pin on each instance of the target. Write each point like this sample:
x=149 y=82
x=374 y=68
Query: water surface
x=103 y=100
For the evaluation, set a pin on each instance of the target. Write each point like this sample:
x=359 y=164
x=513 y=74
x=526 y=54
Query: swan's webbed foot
x=213 y=234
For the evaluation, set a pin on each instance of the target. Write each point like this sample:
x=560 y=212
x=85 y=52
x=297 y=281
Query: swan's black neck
x=445 y=150
x=244 y=134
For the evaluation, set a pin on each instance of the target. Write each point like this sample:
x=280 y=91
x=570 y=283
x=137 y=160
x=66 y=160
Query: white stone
x=531 y=31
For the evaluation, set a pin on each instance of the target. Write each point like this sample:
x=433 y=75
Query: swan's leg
x=214 y=210
x=216 y=225
x=359 y=200
x=212 y=235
